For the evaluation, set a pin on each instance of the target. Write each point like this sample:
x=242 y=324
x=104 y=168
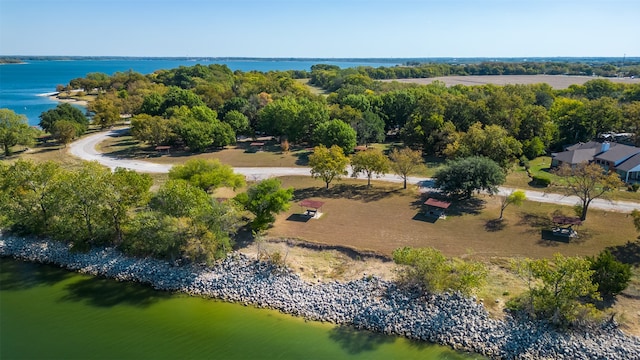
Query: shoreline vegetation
x=369 y=303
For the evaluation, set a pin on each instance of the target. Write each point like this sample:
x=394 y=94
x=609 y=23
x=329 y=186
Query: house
x=623 y=159
x=579 y=153
x=616 y=155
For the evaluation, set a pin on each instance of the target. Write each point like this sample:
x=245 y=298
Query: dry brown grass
x=555 y=81
x=241 y=154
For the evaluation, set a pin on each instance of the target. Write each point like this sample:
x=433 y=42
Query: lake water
x=23 y=86
x=48 y=312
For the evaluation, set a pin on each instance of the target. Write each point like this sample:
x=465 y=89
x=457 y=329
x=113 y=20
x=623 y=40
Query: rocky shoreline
x=369 y=303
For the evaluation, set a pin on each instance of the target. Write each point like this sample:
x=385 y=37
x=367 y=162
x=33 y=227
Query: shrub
x=611 y=275
x=540 y=180
x=635 y=187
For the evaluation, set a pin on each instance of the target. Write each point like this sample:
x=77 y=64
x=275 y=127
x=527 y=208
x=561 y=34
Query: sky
x=321 y=29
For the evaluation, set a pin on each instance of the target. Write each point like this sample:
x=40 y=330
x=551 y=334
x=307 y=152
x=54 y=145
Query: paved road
x=85 y=148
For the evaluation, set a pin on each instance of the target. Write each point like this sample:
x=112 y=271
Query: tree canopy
x=207 y=174
x=14 y=130
x=369 y=162
x=328 y=164
x=464 y=176
x=264 y=200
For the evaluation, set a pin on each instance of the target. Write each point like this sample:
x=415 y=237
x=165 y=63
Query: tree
x=328 y=164
x=464 y=176
x=404 y=162
x=126 y=189
x=64 y=131
x=588 y=182
x=106 y=113
x=335 y=132
x=611 y=276
x=238 y=121
x=517 y=197
x=31 y=195
x=370 y=128
x=431 y=270
x=369 y=162
x=64 y=111
x=14 y=130
x=207 y=175
x=152 y=129
x=636 y=219
x=491 y=141
x=264 y=200
x=556 y=289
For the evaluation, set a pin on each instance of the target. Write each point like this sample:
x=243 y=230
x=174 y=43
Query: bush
x=635 y=187
x=611 y=275
x=540 y=181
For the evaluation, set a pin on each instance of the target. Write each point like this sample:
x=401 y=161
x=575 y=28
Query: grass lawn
x=385 y=217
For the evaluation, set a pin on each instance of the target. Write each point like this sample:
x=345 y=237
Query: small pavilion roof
x=566 y=220
x=311 y=203
x=437 y=203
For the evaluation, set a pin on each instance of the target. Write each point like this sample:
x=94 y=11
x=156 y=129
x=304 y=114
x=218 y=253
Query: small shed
x=312 y=208
x=257 y=146
x=163 y=148
x=563 y=225
x=437 y=208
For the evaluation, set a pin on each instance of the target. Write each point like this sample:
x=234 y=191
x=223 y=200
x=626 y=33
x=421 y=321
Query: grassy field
x=555 y=81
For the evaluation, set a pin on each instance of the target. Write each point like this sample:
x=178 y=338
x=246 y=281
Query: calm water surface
x=50 y=313
x=23 y=86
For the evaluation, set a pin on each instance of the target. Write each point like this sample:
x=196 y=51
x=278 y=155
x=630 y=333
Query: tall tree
x=404 y=162
x=14 y=130
x=64 y=131
x=106 y=112
x=588 y=182
x=464 y=176
x=264 y=200
x=328 y=164
x=126 y=189
x=335 y=132
x=64 y=111
x=369 y=162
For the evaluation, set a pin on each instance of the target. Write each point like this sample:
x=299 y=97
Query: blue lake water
x=22 y=85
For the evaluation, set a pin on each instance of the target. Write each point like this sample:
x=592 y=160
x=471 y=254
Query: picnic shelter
x=436 y=208
x=312 y=208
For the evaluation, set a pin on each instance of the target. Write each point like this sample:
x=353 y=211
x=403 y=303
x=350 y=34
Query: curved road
x=85 y=149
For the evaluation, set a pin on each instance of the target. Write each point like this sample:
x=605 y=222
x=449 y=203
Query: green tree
x=106 y=112
x=328 y=164
x=491 y=141
x=556 y=289
x=64 y=131
x=404 y=162
x=611 y=276
x=126 y=190
x=207 y=175
x=335 y=132
x=431 y=270
x=370 y=128
x=238 y=121
x=517 y=197
x=369 y=162
x=31 y=195
x=64 y=111
x=264 y=200
x=464 y=176
x=152 y=129
x=588 y=182
x=14 y=130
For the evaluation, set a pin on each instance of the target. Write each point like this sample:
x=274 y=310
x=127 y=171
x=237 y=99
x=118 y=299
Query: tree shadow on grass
x=495 y=225
x=102 y=292
x=628 y=253
x=357 y=341
x=18 y=275
x=344 y=191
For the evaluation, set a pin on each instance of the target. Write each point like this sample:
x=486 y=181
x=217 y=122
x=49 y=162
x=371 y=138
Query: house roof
x=576 y=156
x=588 y=145
x=630 y=163
x=618 y=153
